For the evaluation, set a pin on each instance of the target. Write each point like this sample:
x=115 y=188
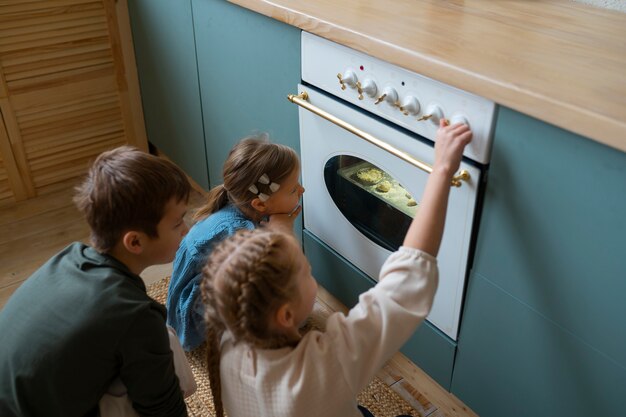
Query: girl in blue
x=261 y=185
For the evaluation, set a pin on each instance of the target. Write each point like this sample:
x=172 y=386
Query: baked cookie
x=383 y=186
x=369 y=176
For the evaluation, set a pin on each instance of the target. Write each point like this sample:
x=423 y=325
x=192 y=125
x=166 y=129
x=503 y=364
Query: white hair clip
x=274 y=187
x=264 y=180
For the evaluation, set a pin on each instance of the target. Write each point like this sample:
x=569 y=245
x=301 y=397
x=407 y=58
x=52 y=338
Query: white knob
x=410 y=105
x=391 y=96
x=458 y=118
x=349 y=77
x=369 y=87
x=435 y=112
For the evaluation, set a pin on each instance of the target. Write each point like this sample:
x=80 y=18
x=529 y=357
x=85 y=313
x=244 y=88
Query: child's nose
x=301 y=190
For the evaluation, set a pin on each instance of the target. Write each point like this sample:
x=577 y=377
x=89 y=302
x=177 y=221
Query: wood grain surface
x=559 y=61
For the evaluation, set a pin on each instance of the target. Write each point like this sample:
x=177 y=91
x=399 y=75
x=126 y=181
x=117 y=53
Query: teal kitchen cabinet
x=212 y=73
x=543 y=330
x=166 y=62
x=247 y=64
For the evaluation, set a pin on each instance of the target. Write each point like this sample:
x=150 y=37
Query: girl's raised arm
x=426 y=229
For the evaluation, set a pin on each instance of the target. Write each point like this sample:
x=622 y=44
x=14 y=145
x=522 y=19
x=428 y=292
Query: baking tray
x=396 y=196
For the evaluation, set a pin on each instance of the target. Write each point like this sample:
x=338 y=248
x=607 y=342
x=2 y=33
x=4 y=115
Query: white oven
x=366 y=156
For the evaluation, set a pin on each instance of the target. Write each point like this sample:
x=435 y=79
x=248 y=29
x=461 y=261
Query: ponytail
x=216 y=199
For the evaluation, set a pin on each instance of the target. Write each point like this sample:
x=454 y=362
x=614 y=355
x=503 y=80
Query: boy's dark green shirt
x=76 y=324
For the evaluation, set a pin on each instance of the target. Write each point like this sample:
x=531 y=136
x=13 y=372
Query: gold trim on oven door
x=302 y=101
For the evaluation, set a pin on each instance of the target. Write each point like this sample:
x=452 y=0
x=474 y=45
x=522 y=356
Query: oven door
x=360 y=199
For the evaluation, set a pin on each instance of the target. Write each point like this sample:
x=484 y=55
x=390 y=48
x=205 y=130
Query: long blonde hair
x=247 y=161
x=246 y=279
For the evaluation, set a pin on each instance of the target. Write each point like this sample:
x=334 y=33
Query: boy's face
x=171 y=229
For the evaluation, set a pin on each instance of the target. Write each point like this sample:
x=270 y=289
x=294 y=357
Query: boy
x=84 y=319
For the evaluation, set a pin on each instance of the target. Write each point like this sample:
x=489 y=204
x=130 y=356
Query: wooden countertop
x=556 y=60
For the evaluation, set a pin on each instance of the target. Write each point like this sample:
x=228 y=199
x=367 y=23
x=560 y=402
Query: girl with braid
x=258 y=289
x=261 y=185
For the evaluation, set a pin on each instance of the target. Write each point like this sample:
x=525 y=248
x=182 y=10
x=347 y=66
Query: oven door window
x=371 y=199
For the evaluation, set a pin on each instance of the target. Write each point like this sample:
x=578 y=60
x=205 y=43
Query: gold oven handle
x=301 y=100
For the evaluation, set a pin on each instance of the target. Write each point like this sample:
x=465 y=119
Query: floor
x=34 y=230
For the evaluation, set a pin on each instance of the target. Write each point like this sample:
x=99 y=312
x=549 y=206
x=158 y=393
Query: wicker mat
x=376 y=397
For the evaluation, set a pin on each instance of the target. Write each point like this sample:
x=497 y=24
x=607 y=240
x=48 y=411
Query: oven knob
x=458 y=118
x=369 y=87
x=389 y=95
x=410 y=105
x=349 y=77
x=433 y=113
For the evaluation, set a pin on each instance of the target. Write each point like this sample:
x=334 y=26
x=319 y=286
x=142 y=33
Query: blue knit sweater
x=185 y=312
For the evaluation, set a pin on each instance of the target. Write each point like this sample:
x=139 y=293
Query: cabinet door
x=166 y=60
x=247 y=65
x=12 y=187
x=68 y=89
x=543 y=329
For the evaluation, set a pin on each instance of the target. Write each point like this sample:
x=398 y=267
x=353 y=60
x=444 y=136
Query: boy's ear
x=284 y=317
x=133 y=242
x=259 y=205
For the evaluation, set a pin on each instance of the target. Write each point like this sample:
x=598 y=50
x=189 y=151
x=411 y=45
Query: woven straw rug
x=377 y=397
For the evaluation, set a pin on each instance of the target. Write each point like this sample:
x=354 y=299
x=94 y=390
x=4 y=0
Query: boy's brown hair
x=127 y=189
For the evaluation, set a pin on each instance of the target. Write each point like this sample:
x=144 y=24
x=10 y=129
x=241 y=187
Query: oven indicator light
x=362 y=67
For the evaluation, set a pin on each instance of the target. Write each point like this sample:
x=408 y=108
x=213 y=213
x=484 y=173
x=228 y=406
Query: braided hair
x=246 y=279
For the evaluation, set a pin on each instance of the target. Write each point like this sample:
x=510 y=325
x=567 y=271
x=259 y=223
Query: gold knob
x=359 y=89
x=463 y=176
x=380 y=99
x=424 y=117
x=343 y=86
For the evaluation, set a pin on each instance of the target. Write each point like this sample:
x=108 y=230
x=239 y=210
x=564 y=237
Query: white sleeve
x=181 y=366
x=385 y=316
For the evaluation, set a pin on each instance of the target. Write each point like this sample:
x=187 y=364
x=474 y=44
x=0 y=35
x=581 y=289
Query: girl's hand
x=449 y=145
x=284 y=220
x=426 y=230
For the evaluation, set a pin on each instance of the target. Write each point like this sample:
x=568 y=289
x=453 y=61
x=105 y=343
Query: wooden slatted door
x=68 y=91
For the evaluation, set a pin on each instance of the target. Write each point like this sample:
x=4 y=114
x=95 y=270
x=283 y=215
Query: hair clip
x=264 y=180
x=274 y=187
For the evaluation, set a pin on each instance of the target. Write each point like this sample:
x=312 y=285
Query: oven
x=366 y=136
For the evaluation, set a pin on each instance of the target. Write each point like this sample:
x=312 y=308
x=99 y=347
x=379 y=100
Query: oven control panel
x=403 y=97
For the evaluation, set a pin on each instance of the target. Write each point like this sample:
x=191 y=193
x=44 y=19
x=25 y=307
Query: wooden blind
x=64 y=90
